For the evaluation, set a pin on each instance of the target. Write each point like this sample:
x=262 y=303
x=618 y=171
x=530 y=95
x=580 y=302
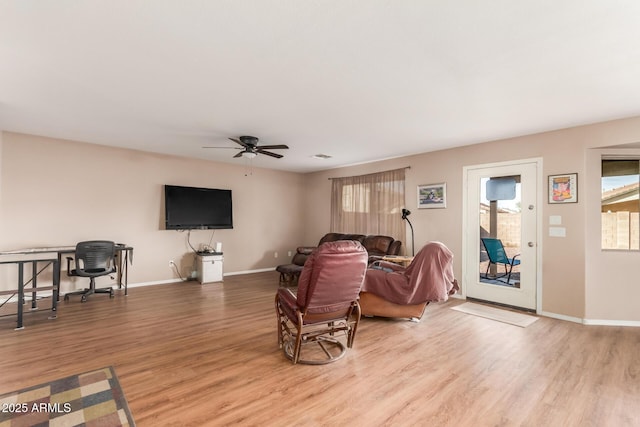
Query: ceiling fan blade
x=237 y=141
x=239 y=154
x=233 y=148
x=268 y=153
x=274 y=147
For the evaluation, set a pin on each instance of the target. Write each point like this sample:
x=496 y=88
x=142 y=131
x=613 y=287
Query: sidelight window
x=620 y=206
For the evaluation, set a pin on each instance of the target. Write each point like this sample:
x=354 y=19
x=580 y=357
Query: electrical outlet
x=171 y=263
x=275 y=254
x=289 y=253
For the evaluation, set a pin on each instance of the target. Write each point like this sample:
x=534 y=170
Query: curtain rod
x=339 y=177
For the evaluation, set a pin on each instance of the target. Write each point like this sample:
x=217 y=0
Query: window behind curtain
x=620 y=205
x=369 y=204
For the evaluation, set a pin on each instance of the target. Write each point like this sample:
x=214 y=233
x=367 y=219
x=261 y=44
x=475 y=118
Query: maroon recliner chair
x=326 y=304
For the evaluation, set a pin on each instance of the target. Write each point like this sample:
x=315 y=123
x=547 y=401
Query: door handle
x=530 y=244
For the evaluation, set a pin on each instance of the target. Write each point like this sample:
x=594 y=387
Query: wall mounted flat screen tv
x=189 y=208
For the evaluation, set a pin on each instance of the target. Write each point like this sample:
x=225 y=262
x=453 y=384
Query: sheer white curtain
x=369 y=204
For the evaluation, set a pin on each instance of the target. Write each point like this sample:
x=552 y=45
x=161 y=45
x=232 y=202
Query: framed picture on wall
x=563 y=188
x=432 y=196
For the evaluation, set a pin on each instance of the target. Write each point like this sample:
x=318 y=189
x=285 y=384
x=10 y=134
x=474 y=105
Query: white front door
x=502 y=204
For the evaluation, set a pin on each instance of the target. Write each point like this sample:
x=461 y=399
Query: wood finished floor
x=194 y=355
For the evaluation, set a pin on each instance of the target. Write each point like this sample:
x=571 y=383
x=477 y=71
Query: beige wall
x=57 y=192
x=45 y=199
x=577 y=282
x=1 y=139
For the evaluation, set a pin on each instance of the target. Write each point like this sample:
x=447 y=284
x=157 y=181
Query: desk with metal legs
x=55 y=287
x=53 y=256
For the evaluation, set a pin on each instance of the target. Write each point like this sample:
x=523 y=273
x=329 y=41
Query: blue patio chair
x=497 y=255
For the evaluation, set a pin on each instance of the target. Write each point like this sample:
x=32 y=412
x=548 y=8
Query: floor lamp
x=405 y=214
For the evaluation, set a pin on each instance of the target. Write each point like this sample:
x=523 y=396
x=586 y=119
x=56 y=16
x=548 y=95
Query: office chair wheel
x=83 y=299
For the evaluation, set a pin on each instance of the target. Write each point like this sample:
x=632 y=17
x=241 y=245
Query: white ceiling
x=358 y=80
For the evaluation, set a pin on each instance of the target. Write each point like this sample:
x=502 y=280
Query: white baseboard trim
x=587 y=322
x=561 y=317
x=593 y=322
x=154 y=282
x=631 y=323
x=169 y=281
x=14 y=298
x=157 y=282
x=46 y=294
x=261 y=270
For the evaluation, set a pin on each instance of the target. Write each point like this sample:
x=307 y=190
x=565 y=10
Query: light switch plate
x=555 y=220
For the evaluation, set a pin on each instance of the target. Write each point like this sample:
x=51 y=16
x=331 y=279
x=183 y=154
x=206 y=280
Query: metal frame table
x=55 y=287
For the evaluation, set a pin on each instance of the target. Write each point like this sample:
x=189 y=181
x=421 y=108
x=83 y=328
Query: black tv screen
x=188 y=208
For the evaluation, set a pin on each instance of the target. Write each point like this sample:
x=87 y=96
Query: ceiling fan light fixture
x=249 y=148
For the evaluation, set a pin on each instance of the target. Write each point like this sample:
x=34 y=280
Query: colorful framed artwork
x=432 y=196
x=563 y=188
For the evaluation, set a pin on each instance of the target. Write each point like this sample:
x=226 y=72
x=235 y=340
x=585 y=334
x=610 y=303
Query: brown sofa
x=377 y=246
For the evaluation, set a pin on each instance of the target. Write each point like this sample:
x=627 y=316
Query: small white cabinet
x=209 y=267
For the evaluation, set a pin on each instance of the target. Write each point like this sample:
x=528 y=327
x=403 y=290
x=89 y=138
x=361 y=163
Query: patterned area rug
x=90 y=399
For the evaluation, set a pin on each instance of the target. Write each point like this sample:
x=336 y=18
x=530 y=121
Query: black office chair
x=93 y=259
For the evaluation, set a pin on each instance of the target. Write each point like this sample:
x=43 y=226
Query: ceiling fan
x=251 y=149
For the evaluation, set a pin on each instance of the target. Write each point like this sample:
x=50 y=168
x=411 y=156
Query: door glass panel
x=500 y=231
